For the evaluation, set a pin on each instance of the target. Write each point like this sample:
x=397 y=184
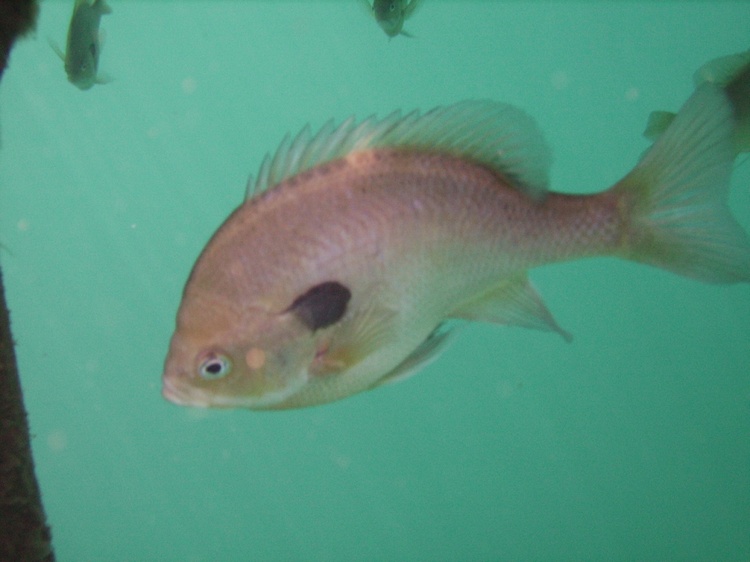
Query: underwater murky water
x=630 y=443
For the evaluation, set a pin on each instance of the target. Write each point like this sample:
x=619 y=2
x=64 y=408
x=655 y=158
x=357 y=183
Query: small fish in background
x=359 y=247
x=732 y=73
x=391 y=14
x=81 y=56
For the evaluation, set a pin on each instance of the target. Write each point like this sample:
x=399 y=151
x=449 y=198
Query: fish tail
x=674 y=203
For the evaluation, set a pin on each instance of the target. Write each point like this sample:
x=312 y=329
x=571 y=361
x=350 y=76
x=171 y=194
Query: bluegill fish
x=732 y=74
x=358 y=244
x=391 y=14
x=81 y=56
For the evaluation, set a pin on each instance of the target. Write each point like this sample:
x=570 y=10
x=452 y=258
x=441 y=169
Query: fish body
x=391 y=14
x=83 y=46
x=732 y=74
x=357 y=246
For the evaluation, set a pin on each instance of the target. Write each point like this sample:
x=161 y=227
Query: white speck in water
x=196 y=414
x=189 y=85
x=632 y=94
x=506 y=388
x=560 y=80
x=57 y=440
x=23 y=225
x=342 y=461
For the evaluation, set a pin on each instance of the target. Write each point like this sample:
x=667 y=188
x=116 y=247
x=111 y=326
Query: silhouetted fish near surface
x=81 y=56
x=357 y=244
x=391 y=14
x=732 y=74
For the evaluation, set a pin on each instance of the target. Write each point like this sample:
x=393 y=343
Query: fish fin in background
x=429 y=350
x=412 y=7
x=369 y=329
x=514 y=302
x=675 y=201
x=100 y=5
x=103 y=78
x=497 y=135
x=730 y=73
x=56 y=48
x=724 y=70
x=104 y=8
x=733 y=74
x=658 y=122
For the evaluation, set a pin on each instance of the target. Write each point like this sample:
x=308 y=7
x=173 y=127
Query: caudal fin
x=678 y=216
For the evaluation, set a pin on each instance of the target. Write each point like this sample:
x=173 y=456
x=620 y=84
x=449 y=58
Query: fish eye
x=392 y=7
x=215 y=366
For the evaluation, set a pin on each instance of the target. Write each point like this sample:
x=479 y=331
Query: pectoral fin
x=365 y=4
x=422 y=356
x=57 y=49
x=103 y=78
x=411 y=8
x=514 y=302
x=350 y=341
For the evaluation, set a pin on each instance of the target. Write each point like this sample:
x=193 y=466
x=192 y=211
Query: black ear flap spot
x=322 y=305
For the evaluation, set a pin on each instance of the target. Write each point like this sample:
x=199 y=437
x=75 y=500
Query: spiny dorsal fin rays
x=495 y=134
x=280 y=159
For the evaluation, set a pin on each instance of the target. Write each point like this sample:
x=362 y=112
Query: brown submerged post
x=24 y=534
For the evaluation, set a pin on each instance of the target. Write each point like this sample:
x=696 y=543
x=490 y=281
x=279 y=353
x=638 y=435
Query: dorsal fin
x=494 y=134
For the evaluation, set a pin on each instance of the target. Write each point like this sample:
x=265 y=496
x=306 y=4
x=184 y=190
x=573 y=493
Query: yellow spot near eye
x=255 y=358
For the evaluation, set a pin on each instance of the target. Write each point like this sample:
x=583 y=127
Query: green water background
x=631 y=443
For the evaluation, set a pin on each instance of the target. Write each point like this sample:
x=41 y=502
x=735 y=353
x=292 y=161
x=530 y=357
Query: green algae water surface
x=630 y=443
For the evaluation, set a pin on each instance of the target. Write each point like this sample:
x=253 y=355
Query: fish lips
x=176 y=391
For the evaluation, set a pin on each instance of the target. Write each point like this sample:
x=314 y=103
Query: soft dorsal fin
x=497 y=135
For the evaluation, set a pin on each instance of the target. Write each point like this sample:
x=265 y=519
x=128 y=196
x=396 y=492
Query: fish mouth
x=183 y=396
x=188 y=395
